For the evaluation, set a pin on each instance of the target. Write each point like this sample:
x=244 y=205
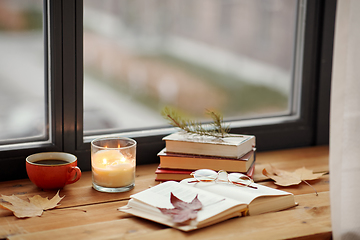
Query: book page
x=243 y=194
x=159 y=196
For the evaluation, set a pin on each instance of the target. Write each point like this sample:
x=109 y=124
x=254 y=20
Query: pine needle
x=216 y=129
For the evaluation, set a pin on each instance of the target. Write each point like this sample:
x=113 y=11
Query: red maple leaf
x=182 y=211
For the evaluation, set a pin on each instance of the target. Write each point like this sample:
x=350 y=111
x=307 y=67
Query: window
x=31 y=105
x=238 y=57
x=23 y=115
x=63 y=27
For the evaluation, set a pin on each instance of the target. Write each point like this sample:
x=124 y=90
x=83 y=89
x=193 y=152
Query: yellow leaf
x=33 y=208
x=45 y=203
x=285 y=178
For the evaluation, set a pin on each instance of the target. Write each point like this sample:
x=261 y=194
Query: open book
x=220 y=201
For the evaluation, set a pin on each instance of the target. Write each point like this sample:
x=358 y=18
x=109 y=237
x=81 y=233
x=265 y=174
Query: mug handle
x=77 y=174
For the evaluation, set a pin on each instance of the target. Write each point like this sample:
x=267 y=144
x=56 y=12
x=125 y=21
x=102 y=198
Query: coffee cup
x=52 y=170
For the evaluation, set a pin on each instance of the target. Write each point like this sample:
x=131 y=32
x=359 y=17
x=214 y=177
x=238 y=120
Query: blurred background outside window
x=232 y=56
x=22 y=82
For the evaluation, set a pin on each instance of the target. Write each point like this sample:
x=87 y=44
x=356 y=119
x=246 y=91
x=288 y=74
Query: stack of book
x=185 y=153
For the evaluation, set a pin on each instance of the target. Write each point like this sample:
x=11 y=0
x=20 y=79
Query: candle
x=113 y=161
x=111 y=169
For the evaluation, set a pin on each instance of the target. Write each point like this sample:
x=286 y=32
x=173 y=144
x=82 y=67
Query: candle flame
x=104 y=161
x=119 y=145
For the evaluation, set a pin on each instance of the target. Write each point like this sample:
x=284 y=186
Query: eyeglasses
x=207 y=175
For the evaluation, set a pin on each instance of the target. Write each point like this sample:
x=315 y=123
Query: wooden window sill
x=85 y=213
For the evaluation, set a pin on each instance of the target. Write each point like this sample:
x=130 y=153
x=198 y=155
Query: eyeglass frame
x=227 y=176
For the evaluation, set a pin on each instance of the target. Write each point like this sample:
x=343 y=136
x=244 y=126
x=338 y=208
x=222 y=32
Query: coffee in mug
x=52 y=170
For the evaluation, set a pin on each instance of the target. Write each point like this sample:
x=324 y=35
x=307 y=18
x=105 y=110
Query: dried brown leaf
x=182 y=211
x=33 y=208
x=285 y=178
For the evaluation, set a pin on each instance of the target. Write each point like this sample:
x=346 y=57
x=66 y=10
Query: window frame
x=65 y=32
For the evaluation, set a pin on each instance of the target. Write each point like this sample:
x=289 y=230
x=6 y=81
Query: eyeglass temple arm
x=245 y=185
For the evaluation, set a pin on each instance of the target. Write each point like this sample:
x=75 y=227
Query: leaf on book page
x=285 y=178
x=182 y=211
x=33 y=208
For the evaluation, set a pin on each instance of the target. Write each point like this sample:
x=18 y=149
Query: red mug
x=52 y=170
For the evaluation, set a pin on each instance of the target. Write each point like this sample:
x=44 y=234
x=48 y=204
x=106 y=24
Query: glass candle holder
x=113 y=162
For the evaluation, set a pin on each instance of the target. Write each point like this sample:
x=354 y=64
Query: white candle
x=111 y=169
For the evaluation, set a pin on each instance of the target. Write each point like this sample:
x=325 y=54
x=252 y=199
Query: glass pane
x=22 y=88
x=235 y=57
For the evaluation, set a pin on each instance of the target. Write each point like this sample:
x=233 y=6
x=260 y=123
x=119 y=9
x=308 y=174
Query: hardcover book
x=231 y=146
x=194 y=162
x=220 y=201
x=168 y=174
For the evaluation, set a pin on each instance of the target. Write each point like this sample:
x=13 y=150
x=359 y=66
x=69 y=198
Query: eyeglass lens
x=239 y=178
x=205 y=175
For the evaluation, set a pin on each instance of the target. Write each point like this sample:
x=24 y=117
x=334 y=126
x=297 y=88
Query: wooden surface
x=87 y=214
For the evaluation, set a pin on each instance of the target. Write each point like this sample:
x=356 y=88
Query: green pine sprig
x=216 y=129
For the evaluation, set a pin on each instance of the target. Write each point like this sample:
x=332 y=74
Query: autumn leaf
x=33 y=208
x=285 y=178
x=182 y=211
